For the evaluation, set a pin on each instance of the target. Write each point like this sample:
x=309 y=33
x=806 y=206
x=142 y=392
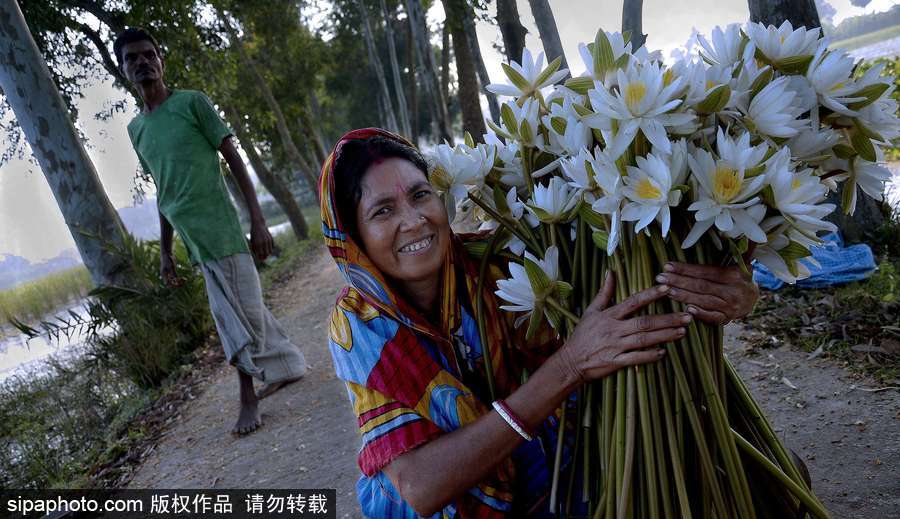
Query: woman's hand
x=606 y=339
x=715 y=295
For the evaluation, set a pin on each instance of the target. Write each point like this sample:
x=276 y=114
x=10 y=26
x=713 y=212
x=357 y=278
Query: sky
x=32 y=226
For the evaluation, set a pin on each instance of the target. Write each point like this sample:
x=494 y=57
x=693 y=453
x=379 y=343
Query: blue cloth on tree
x=837 y=264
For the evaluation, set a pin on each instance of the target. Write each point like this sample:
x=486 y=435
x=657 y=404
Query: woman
x=404 y=340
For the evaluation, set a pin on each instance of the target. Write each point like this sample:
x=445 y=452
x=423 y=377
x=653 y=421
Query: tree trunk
x=483 y=77
x=631 y=21
x=395 y=70
x=546 y=24
x=801 y=13
x=445 y=64
x=280 y=121
x=511 y=29
x=377 y=68
x=269 y=180
x=425 y=60
x=413 y=86
x=467 y=76
x=313 y=137
x=42 y=115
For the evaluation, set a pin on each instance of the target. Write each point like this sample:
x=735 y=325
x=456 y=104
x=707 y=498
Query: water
x=19 y=355
x=877 y=50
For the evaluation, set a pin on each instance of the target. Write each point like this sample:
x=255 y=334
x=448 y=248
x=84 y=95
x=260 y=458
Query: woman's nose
x=410 y=218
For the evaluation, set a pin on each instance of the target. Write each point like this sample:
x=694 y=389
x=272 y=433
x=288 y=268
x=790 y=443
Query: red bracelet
x=514 y=421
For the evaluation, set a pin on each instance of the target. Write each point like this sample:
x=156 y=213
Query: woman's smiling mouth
x=417 y=247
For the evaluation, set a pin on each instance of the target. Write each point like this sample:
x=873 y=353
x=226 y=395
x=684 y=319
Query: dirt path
x=308 y=438
x=850 y=438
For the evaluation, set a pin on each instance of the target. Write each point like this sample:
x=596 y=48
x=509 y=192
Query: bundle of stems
x=682 y=437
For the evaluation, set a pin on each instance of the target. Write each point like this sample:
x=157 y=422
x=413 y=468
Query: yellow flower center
x=726 y=183
x=796 y=183
x=668 y=77
x=710 y=84
x=634 y=94
x=647 y=190
x=837 y=86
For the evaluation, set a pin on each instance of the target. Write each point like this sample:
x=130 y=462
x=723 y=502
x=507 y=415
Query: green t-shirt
x=178 y=145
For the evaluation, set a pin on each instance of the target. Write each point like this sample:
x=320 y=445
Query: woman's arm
x=437 y=472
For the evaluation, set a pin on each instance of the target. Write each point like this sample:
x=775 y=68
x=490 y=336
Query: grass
x=867 y=39
x=34 y=299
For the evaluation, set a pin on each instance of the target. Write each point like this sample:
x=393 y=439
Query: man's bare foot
x=249 y=419
x=269 y=389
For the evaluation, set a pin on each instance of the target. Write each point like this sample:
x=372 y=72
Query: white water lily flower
x=511 y=171
x=641 y=102
x=576 y=171
x=724 y=193
x=797 y=195
x=518 y=291
x=772 y=112
x=619 y=49
x=567 y=133
x=526 y=116
x=461 y=168
x=534 y=75
x=737 y=153
x=770 y=253
x=881 y=117
x=648 y=187
x=868 y=176
x=516 y=212
x=554 y=202
x=783 y=42
x=728 y=46
x=611 y=199
x=829 y=74
x=813 y=145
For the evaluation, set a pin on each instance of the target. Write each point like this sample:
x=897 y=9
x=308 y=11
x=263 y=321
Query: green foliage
x=61 y=418
x=35 y=299
x=143 y=330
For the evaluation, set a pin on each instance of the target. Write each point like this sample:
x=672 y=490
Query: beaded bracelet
x=511 y=419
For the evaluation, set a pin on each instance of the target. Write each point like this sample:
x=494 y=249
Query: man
x=176 y=137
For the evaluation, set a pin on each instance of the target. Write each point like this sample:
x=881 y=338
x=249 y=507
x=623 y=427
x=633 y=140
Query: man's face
x=141 y=63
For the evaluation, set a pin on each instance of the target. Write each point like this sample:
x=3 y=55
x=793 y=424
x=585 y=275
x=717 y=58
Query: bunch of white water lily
x=721 y=157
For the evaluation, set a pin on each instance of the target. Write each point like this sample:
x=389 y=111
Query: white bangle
x=510 y=421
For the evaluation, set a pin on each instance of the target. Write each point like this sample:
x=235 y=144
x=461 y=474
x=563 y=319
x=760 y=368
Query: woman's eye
x=381 y=212
x=421 y=194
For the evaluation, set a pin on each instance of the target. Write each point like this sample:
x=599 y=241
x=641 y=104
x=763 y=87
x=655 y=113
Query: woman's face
x=402 y=222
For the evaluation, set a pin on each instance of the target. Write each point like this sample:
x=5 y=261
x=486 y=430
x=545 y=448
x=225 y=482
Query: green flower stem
x=811 y=502
x=756 y=416
x=588 y=423
x=479 y=314
x=675 y=457
x=648 y=452
x=737 y=477
x=557 y=458
x=574 y=319
x=507 y=223
x=620 y=434
x=624 y=509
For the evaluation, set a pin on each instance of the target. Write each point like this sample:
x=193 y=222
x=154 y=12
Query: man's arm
x=166 y=262
x=260 y=239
